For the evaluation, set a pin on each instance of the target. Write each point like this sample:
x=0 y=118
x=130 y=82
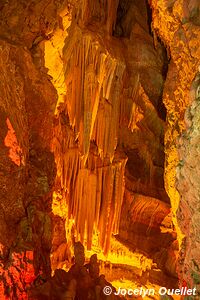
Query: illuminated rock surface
x=88 y=151
x=177 y=25
x=27 y=103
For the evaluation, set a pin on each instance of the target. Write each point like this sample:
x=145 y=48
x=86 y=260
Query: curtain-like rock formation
x=111 y=112
x=93 y=190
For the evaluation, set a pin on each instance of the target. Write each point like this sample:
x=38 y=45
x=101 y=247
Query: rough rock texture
x=176 y=23
x=82 y=281
x=27 y=104
x=188 y=187
x=81 y=89
x=148 y=227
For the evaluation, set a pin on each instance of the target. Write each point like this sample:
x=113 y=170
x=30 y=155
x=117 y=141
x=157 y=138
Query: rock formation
x=177 y=25
x=110 y=110
x=27 y=104
x=99 y=104
x=81 y=282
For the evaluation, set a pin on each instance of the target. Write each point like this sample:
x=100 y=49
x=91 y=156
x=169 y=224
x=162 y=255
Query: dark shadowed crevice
x=149 y=17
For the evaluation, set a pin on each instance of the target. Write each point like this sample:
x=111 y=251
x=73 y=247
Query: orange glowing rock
x=93 y=77
x=92 y=194
x=97 y=99
x=91 y=174
x=10 y=141
x=17 y=277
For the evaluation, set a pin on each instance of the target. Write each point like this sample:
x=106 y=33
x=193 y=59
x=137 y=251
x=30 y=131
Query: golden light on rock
x=99 y=169
x=53 y=55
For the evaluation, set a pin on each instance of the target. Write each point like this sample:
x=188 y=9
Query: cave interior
x=99 y=105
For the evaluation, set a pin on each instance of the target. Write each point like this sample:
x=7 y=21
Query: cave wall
x=177 y=24
x=27 y=104
x=188 y=187
x=81 y=91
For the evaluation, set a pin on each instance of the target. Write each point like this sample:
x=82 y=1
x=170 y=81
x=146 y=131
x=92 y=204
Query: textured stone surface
x=27 y=103
x=28 y=23
x=176 y=24
x=148 y=228
x=99 y=111
x=188 y=187
x=80 y=282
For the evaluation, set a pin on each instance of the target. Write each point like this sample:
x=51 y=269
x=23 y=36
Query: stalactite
x=103 y=90
x=93 y=82
x=89 y=167
x=93 y=189
x=97 y=200
x=90 y=170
